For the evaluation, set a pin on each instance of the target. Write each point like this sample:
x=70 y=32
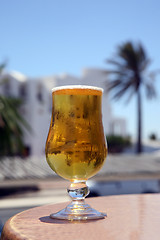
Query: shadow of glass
x=48 y=219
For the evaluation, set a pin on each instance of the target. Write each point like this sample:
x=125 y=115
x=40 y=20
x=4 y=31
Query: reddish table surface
x=128 y=217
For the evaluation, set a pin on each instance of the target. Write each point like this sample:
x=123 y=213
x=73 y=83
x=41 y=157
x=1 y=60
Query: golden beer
x=76 y=146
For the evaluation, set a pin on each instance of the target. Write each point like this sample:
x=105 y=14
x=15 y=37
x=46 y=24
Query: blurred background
x=108 y=44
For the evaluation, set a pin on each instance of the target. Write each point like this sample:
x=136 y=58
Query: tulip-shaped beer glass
x=76 y=147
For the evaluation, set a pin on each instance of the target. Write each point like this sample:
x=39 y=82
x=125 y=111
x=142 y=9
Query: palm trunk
x=139 y=125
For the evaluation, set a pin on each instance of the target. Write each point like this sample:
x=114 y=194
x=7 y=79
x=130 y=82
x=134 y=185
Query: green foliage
x=152 y=136
x=117 y=144
x=11 y=125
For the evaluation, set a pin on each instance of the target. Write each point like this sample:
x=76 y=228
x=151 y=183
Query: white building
x=37 y=103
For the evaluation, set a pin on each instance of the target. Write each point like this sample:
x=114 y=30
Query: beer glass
x=76 y=147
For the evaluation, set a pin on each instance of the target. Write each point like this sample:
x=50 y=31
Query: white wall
x=38 y=113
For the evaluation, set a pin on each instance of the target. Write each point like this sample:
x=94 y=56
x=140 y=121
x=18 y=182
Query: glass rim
x=77 y=87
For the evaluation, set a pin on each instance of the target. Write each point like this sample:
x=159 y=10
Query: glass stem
x=78 y=209
x=78 y=190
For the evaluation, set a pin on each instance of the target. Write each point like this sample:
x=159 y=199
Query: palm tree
x=129 y=75
x=11 y=124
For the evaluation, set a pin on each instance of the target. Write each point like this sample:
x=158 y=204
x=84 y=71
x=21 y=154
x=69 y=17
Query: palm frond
x=150 y=90
x=128 y=69
x=128 y=54
x=11 y=132
x=152 y=75
x=123 y=90
x=114 y=62
x=113 y=84
x=141 y=53
x=116 y=72
x=144 y=65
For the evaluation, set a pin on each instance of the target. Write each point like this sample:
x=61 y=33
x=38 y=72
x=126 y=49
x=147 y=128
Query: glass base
x=76 y=212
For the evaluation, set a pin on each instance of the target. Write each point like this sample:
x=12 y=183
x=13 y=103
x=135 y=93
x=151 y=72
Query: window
x=23 y=91
x=40 y=93
x=7 y=88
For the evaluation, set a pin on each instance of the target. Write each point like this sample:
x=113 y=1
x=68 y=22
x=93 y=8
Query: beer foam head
x=77 y=87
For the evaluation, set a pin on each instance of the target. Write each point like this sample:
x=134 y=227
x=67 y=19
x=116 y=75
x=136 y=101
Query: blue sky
x=44 y=37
